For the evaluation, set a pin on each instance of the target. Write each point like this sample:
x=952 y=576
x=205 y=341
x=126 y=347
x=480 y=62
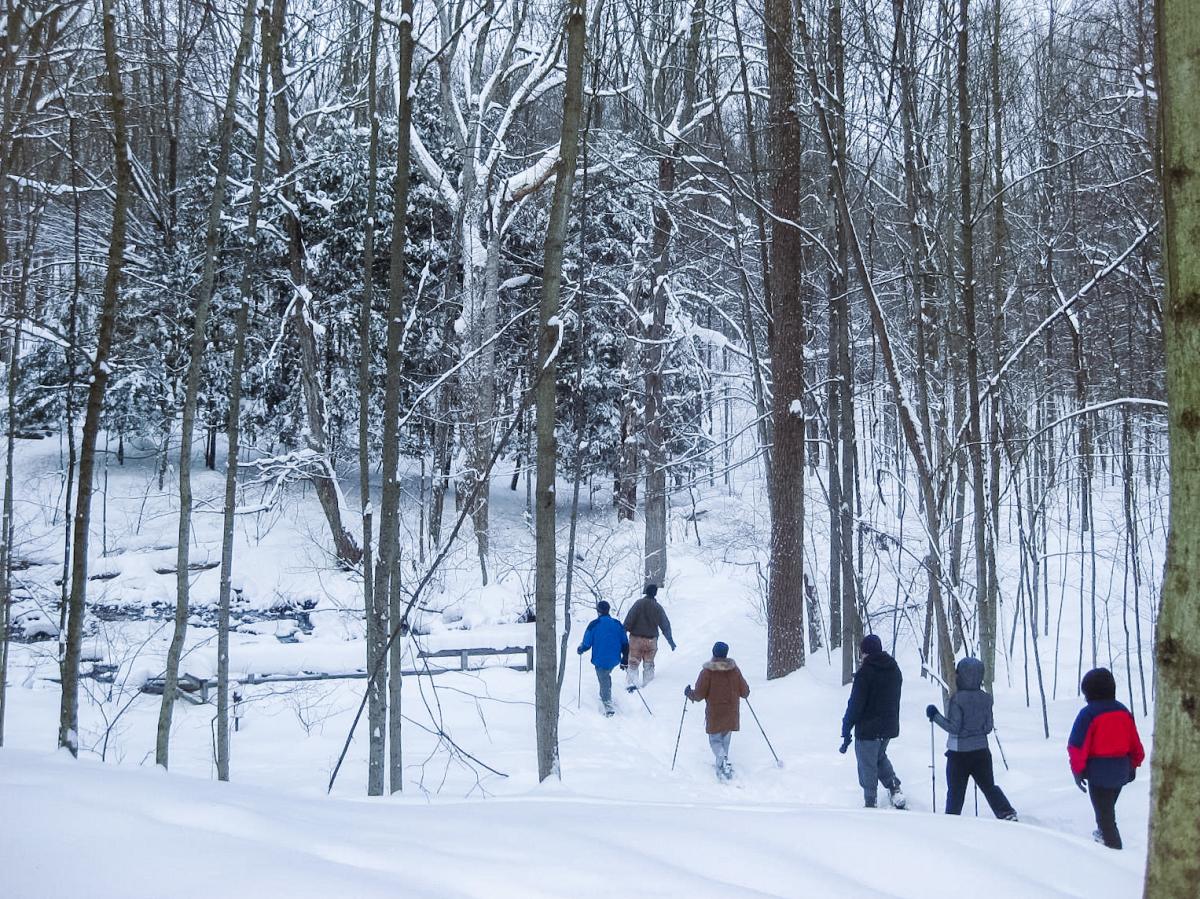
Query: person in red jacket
x=1105 y=751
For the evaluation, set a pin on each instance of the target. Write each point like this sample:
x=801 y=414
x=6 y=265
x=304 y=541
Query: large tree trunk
x=324 y=473
x=68 y=721
x=550 y=335
x=1174 y=857
x=785 y=597
x=208 y=278
x=233 y=429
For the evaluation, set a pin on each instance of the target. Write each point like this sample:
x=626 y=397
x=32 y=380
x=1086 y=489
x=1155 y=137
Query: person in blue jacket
x=605 y=637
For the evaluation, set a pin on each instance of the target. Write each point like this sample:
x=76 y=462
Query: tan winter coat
x=722 y=688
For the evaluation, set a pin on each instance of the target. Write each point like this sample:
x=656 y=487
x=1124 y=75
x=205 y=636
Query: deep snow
x=620 y=820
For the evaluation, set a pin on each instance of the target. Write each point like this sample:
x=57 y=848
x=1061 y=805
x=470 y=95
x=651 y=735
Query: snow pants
x=642 y=650
x=1104 y=803
x=719 y=744
x=874 y=768
x=604 y=677
x=961 y=767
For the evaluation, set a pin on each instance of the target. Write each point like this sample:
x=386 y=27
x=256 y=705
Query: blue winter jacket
x=606 y=638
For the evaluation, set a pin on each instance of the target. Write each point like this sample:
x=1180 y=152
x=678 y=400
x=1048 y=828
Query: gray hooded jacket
x=968 y=718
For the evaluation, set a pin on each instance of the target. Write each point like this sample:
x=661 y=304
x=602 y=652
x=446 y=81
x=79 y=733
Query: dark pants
x=874 y=768
x=961 y=767
x=1104 y=801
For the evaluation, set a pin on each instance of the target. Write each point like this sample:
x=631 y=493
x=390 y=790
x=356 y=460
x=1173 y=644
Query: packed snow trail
x=82 y=828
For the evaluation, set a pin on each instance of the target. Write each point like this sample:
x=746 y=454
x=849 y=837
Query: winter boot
x=869 y=802
x=896 y=795
x=727 y=769
x=609 y=710
x=1011 y=816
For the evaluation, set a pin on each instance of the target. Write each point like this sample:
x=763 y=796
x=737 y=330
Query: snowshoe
x=609 y=710
x=1011 y=816
x=897 y=798
x=727 y=770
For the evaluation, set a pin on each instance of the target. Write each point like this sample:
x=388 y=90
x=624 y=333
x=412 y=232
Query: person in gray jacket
x=968 y=721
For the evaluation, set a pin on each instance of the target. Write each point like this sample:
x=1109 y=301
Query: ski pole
x=643 y=699
x=999 y=745
x=932 y=767
x=579 y=684
x=976 y=800
x=763 y=732
x=680 y=734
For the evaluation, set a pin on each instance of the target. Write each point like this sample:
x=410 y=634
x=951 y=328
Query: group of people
x=1104 y=748
x=633 y=644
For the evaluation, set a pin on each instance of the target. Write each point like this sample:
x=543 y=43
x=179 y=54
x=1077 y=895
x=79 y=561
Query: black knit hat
x=602 y=607
x=1099 y=684
x=720 y=650
x=870 y=645
x=651 y=590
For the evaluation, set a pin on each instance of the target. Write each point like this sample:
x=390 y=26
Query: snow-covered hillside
x=473 y=820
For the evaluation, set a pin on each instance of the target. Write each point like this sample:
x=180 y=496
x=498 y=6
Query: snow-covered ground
x=473 y=821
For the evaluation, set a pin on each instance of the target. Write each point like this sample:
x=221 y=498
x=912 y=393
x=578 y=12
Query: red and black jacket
x=1105 y=745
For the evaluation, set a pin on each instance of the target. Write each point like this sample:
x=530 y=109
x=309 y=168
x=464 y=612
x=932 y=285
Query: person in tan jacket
x=722 y=687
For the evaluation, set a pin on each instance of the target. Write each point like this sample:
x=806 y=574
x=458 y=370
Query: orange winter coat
x=722 y=688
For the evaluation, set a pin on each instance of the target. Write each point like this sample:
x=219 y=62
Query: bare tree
x=208 y=278
x=68 y=723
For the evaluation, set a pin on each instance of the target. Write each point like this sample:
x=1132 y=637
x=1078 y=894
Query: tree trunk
x=550 y=335
x=376 y=627
x=979 y=518
x=785 y=596
x=315 y=430
x=208 y=277
x=1174 y=857
x=233 y=428
x=68 y=723
x=387 y=569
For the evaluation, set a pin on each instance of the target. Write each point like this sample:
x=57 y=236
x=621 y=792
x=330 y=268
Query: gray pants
x=874 y=768
x=604 y=676
x=719 y=744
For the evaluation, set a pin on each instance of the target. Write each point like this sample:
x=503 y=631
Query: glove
x=624 y=666
x=581 y=650
x=1081 y=782
x=687 y=690
x=931 y=712
x=845 y=745
x=671 y=643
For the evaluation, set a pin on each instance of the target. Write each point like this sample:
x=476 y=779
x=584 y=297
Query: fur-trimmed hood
x=725 y=664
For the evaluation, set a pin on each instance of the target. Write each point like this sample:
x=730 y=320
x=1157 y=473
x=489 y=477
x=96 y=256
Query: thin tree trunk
x=387 y=569
x=979 y=517
x=376 y=629
x=233 y=428
x=212 y=246
x=68 y=724
x=550 y=335
x=315 y=426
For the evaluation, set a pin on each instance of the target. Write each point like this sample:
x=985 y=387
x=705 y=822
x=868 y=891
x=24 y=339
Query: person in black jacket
x=873 y=712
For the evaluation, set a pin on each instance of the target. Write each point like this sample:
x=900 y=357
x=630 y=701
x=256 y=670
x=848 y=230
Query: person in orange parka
x=1105 y=751
x=722 y=687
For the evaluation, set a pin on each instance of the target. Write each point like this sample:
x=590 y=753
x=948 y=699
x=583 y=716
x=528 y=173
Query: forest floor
x=620 y=818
